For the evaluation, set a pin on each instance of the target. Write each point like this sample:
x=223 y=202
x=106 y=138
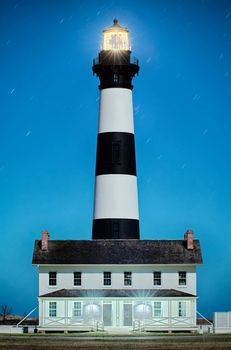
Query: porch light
x=142 y=309
x=115 y=38
x=92 y=309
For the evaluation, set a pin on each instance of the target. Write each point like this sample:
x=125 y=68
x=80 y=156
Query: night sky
x=48 y=130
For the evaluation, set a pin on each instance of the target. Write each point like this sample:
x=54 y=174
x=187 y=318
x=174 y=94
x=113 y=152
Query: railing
x=161 y=322
x=72 y=321
x=136 y=325
x=95 y=61
x=133 y=60
x=99 y=326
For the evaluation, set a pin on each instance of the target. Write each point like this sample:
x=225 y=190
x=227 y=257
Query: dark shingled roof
x=116 y=293
x=129 y=251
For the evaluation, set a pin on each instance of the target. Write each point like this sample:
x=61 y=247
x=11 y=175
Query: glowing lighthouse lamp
x=116 y=38
x=116 y=214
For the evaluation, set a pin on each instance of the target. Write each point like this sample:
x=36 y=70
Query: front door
x=107 y=314
x=127 y=314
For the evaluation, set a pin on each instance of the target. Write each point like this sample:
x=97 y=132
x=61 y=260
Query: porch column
x=170 y=313
x=66 y=312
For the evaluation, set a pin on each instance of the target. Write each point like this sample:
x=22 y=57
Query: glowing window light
x=92 y=309
x=115 y=38
x=142 y=309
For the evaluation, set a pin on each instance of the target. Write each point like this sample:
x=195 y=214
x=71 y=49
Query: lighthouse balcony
x=119 y=59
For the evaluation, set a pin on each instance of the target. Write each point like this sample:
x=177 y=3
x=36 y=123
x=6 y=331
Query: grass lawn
x=54 y=343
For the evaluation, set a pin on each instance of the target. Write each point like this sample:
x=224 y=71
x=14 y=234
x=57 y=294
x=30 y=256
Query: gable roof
x=116 y=293
x=117 y=251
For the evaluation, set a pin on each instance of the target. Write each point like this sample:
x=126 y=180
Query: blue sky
x=48 y=130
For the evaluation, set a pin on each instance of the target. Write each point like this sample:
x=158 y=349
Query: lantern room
x=116 y=38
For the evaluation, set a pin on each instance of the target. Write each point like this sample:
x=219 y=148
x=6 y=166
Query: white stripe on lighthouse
x=116 y=110
x=116 y=197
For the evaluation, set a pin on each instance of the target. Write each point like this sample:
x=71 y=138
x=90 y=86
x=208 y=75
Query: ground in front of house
x=212 y=342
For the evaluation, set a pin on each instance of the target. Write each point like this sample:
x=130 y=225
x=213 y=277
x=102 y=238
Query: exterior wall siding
x=92 y=277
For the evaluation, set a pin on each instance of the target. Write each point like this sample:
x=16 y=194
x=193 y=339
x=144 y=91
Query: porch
x=118 y=313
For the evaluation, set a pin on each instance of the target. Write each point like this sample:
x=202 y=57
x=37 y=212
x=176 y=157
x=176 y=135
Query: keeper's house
x=106 y=284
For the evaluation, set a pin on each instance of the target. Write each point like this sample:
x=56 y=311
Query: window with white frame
x=182 y=278
x=52 y=278
x=77 y=278
x=127 y=278
x=157 y=278
x=107 y=278
x=182 y=309
x=157 y=310
x=77 y=309
x=52 y=309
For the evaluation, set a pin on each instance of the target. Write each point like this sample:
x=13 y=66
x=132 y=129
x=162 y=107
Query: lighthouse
x=116 y=213
x=117 y=282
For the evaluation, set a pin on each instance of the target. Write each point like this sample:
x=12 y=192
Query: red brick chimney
x=188 y=236
x=44 y=241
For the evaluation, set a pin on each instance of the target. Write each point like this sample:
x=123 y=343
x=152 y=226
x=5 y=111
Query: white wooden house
x=111 y=284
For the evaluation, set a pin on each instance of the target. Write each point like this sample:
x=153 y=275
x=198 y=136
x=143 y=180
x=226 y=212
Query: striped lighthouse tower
x=116 y=214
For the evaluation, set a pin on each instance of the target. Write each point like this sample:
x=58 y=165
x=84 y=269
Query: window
x=157 y=309
x=52 y=309
x=116 y=78
x=182 y=280
x=77 y=278
x=107 y=278
x=182 y=309
x=127 y=278
x=157 y=278
x=115 y=229
x=52 y=278
x=115 y=153
x=77 y=310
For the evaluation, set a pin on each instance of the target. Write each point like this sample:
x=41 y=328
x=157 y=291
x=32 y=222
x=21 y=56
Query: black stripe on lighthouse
x=116 y=229
x=115 y=153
